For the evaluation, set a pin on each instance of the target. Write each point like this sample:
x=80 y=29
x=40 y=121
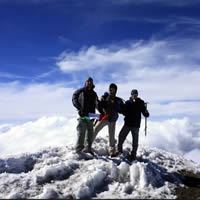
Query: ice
x=59 y=172
x=114 y=171
x=143 y=176
x=123 y=172
x=55 y=172
x=134 y=174
x=14 y=195
x=93 y=181
x=17 y=165
x=49 y=193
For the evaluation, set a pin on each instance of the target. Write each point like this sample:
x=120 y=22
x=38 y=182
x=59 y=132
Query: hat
x=106 y=94
x=134 y=92
x=112 y=85
x=89 y=79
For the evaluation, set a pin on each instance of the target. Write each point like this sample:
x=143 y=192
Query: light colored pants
x=84 y=130
x=111 y=131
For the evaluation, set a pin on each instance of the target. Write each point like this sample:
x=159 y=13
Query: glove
x=81 y=113
x=146 y=113
x=103 y=117
x=104 y=96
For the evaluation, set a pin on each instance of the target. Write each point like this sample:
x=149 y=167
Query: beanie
x=134 y=92
x=89 y=79
x=112 y=85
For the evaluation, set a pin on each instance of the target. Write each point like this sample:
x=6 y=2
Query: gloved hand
x=146 y=114
x=104 y=96
x=103 y=117
x=81 y=113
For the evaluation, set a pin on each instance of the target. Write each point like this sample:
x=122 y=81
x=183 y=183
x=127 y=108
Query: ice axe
x=145 y=126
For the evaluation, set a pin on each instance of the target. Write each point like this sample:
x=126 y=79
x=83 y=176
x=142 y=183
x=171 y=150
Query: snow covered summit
x=60 y=173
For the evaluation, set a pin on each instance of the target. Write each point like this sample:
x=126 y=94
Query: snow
x=58 y=172
x=38 y=161
x=5 y=128
x=17 y=165
x=49 y=193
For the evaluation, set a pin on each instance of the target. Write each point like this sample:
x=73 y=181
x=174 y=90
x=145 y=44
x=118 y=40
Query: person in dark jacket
x=132 y=111
x=109 y=106
x=86 y=101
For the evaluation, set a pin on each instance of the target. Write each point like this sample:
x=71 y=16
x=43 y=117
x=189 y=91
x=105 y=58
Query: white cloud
x=18 y=102
x=90 y=58
x=166 y=73
x=155 y=59
x=45 y=74
x=193 y=155
x=190 y=109
x=177 y=136
x=35 y=135
x=180 y=136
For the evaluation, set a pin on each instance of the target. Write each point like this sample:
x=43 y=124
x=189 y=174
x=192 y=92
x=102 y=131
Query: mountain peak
x=61 y=173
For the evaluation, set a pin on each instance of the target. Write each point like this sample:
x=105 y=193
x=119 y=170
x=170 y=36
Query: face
x=89 y=85
x=134 y=96
x=112 y=91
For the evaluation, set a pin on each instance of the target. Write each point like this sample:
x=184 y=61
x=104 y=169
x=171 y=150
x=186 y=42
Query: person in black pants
x=132 y=112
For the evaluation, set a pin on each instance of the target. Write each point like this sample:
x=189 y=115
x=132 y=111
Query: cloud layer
x=177 y=136
x=25 y=102
x=166 y=73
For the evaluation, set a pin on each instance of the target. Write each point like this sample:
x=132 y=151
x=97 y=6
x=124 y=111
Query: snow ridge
x=61 y=173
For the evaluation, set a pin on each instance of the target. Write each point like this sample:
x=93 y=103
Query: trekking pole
x=145 y=127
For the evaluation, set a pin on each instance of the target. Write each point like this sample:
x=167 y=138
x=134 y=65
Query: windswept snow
x=61 y=173
x=58 y=172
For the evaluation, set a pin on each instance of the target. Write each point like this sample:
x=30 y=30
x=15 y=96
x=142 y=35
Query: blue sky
x=48 y=48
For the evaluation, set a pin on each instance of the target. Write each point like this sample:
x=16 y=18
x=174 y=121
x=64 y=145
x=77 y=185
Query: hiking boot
x=88 y=150
x=91 y=152
x=78 y=150
x=112 y=152
x=131 y=157
x=118 y=153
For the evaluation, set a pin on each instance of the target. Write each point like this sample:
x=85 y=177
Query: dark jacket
x=111 y=106
x=132 y=112
x=85 y=101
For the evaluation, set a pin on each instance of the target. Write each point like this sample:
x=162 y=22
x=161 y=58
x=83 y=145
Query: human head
x=134 y=93
x=112 y=89
x=89 y=83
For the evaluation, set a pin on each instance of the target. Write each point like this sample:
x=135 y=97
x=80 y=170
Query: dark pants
x=84 y=132
x=122 y=136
